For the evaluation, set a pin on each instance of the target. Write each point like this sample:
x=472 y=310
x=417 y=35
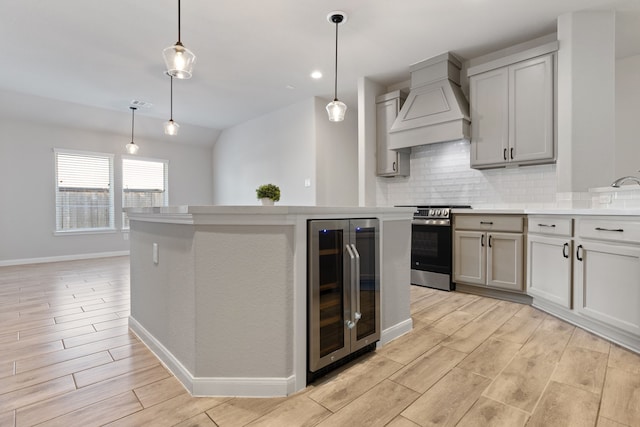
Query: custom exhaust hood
x=436 y=110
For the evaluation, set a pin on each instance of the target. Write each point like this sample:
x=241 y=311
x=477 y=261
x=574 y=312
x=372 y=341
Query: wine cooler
x=344 y=291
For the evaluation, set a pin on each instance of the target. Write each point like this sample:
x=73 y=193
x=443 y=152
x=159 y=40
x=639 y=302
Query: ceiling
x=254 y=56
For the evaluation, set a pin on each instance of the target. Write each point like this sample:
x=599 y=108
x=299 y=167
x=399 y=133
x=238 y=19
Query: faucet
x=618 y=182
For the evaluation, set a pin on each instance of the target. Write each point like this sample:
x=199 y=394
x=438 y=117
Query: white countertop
x=549 y=211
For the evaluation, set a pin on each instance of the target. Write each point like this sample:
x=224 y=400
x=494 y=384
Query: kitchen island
x=219 y=293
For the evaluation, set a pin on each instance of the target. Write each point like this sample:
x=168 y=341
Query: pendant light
x=131 y=147
x=171 y=127
x=178 y=59
x=335 y=108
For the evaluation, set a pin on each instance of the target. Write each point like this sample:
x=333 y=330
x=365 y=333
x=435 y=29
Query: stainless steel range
x=431 y=252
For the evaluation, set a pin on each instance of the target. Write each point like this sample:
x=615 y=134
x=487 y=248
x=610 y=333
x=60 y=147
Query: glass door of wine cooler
x=366 y=295
x=328 y=292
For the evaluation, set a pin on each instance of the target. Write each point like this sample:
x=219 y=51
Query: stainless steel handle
x=486 y=222
x=547 y=225
x=350 y=323
x=504 y=154
x=565 y=250
x=578 y=253
x=358 y=314
x=619 y=230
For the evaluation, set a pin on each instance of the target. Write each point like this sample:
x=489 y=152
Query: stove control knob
x=438 y=212
x=432 y=212
x=445 y=212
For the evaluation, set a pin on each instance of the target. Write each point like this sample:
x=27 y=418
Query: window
x=144 y=184
x=84 y=196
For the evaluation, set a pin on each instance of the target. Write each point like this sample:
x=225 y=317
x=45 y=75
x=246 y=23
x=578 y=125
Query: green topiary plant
x=268 y=191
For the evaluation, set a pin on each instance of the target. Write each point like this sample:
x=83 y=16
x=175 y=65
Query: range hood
x=436 y=110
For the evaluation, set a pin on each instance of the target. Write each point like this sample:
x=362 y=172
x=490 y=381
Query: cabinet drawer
x=617 y=230
x=551 y=225
x=513 y=223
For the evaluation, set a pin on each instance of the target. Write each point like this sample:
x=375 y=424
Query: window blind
x=144 y=184
x=84 y=196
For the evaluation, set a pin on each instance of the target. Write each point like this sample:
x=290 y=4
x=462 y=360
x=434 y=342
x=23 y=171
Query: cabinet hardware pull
x=482 y=241
x=486 y=222
x=489 y=240
x=394 y=167
x=511 y=153
x=619 y=230
x=504 y=154
x=565 y=250
x=547 y=225
x=578 y=253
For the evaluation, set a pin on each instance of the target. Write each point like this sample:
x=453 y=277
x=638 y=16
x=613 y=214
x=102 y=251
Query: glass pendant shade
x=171 y=127
x=179 y=61
x=132 y=148
x=336 y=110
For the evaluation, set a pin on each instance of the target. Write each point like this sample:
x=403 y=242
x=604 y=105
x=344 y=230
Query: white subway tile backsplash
x=440 y=174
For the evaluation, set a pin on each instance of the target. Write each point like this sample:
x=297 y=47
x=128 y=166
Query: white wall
x=337 y=158
x=276 y=148
x=27 y=209
x=287 y=147
x=627 y=158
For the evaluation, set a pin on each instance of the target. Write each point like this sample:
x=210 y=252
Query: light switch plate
x=307 y=182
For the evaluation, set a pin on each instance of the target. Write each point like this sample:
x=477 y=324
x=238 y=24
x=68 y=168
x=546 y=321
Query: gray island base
x=219 y=293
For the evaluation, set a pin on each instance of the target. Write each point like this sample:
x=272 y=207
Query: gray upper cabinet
x=512 y=113
x=390 y=162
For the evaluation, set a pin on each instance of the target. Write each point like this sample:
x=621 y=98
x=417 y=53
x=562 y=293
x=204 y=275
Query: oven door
x=430 y=246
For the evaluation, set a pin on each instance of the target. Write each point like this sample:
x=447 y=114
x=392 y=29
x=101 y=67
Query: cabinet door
x=386 y=113
x=531 y=110
x=489 y=117
x=607 y=284
x=470 y=257
x=549 y=269
x=504 y=258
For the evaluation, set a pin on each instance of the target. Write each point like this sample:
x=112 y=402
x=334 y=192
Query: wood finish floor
x=68 y=359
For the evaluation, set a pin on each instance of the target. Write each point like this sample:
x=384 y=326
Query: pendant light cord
x=171 y=118
x=179 y=22
x=133 y=118
x=335 y=93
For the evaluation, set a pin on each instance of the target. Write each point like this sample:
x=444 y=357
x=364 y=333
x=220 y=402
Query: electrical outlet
x=307 y=182
x=604 y=199
x=155 y=253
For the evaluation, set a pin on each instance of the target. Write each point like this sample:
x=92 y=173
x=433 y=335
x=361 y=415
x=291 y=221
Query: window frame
x=111 y=227
x=165 y=162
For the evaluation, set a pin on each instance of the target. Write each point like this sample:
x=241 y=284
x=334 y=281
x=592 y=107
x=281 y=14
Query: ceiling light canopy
x=336 y=109
x=178 y=59
x=132 y=147
x=171 y=127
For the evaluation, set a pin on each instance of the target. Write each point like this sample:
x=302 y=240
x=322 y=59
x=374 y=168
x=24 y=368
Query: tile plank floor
x=68 y=359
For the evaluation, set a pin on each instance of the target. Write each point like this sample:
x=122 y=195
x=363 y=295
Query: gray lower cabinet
x=488 y=251
x=389 y=162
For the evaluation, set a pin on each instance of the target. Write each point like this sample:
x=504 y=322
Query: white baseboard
x=213 y=386
x=60 y=258
x=396 y=331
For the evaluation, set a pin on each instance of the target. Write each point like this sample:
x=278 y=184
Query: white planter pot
x=266 y=201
